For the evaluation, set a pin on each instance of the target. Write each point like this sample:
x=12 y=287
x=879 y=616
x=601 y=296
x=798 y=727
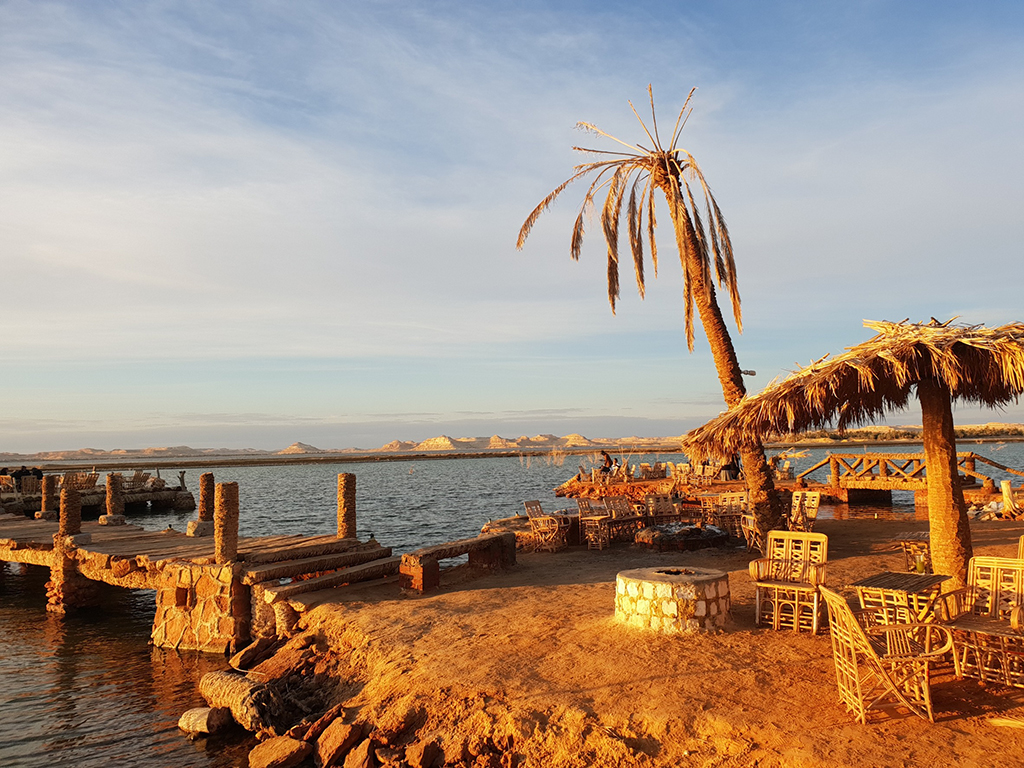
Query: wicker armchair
x=786 y=580
x=550 y=533
x=885 y=665
x=982 y=616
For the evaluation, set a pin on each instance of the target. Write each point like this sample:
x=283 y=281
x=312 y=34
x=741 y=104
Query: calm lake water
x=88 y=690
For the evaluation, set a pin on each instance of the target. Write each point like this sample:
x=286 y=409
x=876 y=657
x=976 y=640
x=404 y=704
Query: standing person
x=606 y=465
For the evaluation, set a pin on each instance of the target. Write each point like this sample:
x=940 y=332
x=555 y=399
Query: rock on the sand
x=422 y=754
x=204 y=719
x=279 y=752
x=336 y=740
x=362 y=756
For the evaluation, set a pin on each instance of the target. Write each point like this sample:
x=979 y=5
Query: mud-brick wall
x=201 y=607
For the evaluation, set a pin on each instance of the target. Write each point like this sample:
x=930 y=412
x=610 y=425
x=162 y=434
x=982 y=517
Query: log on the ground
x=253 y=705
x=289 y=568
x=373 y=570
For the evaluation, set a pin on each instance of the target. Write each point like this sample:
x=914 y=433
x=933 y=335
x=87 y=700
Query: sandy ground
x=530 y=664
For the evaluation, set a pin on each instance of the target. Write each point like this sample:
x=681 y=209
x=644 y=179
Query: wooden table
x=900 y=598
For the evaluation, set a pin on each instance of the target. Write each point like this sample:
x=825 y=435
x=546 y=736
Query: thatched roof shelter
x=941 y=362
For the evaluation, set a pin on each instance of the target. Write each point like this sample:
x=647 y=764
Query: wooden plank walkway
x=26 y=540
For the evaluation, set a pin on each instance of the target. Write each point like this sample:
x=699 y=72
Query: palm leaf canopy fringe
x=975 y=363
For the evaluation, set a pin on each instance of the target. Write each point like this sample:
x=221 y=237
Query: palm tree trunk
x=761 y=494
x=947 y=512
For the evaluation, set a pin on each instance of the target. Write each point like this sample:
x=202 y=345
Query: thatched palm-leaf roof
x=975 y=363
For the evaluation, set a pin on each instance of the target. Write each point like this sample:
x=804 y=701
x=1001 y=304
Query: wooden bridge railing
x=893 y=470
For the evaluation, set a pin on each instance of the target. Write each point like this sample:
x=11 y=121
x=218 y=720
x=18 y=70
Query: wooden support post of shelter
x=115 y=501
x=48 y=504
x=225 y=522
x=346 y=506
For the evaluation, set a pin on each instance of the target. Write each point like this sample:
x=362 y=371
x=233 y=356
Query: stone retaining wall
x=201 y=607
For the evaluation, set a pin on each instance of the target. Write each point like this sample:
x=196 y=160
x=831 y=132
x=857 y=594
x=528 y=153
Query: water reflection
x=87 y=689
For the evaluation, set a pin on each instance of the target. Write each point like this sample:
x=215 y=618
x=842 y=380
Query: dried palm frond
x=975 y=363
x=638 y=173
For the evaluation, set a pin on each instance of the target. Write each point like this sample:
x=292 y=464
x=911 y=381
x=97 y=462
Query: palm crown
x=641 y=171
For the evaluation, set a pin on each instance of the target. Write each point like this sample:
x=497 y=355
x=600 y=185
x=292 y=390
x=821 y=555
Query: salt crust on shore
x=532 y=663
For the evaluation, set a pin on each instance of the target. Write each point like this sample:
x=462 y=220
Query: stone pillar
x=225 y=522
x=67 y=588
x=115 y=501
x=204 y=525
x=206 y=496
x=48 y=506
x=346 y=506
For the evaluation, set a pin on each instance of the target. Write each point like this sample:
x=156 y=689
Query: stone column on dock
x=67 y=588
x=204 y=525
x=48 y=505
x=346 y=506
x=115 y=501
x=225 y=522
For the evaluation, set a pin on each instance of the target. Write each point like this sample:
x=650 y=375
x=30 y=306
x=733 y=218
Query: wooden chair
x=751 y=535
x=660 y=508
x=786 y=580
x=886 y=665
x=7 y=484
x=549 y=533
x=804 y=510
x=982 y=615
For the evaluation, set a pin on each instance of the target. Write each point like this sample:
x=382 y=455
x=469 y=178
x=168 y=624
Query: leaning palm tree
x=702 y=239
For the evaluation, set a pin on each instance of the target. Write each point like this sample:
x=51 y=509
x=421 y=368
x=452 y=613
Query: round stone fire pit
x=673 y=600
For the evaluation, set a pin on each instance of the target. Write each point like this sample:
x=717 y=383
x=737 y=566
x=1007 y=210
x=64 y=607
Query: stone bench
x=421 y=570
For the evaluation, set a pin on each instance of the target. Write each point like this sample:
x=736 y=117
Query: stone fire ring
x=673 y=599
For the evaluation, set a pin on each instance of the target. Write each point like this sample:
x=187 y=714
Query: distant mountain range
x=440 y=444
x=496 y=443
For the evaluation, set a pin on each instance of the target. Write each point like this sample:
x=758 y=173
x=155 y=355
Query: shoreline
x=271 y=460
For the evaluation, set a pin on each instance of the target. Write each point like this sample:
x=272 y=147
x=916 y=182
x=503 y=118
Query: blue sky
x=246 y=224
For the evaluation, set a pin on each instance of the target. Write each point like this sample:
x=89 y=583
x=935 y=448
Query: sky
x=245 y=224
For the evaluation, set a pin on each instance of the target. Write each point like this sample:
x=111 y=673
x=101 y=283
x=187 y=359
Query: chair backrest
x=618 y=506
x=734 y=502
x=586 y=509
x=533 y=509
x=995 y=586
x=790 y=552
x=848 y=638
x=659 y=504
x=808 y=501
x=30 y=484
x=1020 y=548
x=708 y=503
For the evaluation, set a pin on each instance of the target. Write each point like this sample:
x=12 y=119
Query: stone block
x=279 y=752
x=206 y=587
x=670 y=608
x=113 y=520
x=700 y=609
x=643 y=606
x=49 y=516
x=648 y=591
x=78 y=540
x=710 y=592
x=336 y=741
x=199 y=528
x=663 y=590
x=632 y=589
x=421 y=578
